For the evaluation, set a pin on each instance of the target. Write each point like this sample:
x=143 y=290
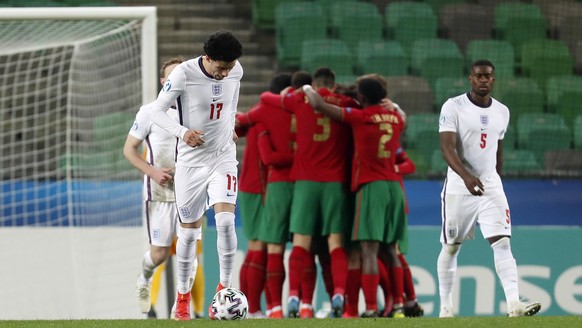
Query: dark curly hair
x=223 y=46
x=371 y=89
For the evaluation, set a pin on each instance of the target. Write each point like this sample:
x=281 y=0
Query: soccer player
x=158 y=189
x=276 y=149
x=379 y=197
x=472 y=127
x=206 y=90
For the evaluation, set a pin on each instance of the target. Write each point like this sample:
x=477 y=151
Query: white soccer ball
x=229 y=304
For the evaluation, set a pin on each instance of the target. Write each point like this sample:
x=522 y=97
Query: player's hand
x=162 y=176
x=474 y=185
x=312 y=95
x=194 y=138
x=387 y=104
x=234 y=136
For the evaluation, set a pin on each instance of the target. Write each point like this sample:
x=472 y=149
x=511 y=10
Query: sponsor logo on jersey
x=216 y=89
x=167 y=86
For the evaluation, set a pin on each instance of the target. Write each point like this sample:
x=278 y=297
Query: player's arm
x=404 y=165
x=269 y=156
x=131 y=152
x=318 y=103
x=449 y=149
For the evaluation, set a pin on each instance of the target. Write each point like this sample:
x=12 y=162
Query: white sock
x=506 y=268
x=226 y=243
x=447 y=271
x=148 y=266
x=185 y=254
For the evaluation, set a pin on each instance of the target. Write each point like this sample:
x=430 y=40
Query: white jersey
x=204 y=104
x=161 y=151
x=478 y=131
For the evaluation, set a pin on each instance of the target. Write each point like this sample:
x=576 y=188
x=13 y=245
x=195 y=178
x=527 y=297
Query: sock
x=370 y=288
x=408 y=281
x=325 y=263
x=396 y=285
x=275 y=278
x=385 y=285
x=226 y=243
x=256 y=280
x=309 y=279
x=243 y=274
x=296 y=269
x=339 y=269
x=148 y=266
x=197 y=290
x=185 y=253
x=269 y=303
x=506 y=268
x=447 y=270
x=353 y=292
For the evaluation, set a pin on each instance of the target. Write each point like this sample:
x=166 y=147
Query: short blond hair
x=170 y=62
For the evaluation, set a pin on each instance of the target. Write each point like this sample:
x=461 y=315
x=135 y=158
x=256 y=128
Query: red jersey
x=278 y=123
x=322 y=143
x=404 y=166
x=376 y=140
x=253 y=175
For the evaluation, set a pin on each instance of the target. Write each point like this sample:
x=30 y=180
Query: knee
x=189 y=235
x=452 y=249
x=224 y=219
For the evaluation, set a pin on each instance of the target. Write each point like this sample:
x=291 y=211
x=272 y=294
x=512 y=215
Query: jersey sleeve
x=448 y=117
x=172 y=89
x=404 y=163
x=352 y=116
x=141 y=127
x=268 y=155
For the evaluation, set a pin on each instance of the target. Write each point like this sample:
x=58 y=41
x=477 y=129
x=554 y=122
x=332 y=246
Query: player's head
x=482 y=77
x=222 y=49
x=376 y=77
x=167 y=68
x=370 y=91
x=279 y=82
x=324 y=78
x=301 y=78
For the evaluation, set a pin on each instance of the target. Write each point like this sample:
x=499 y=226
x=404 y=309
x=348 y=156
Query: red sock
x=339 y=269
x=370 y=288
x=268 y=297
x=256 y=275
x=353 y=292
x=296 y=266
x=396 y=284
x=325 y=263
x=275 y=277
x=309 y=278
x=407 y=276
x=385 y=285
x=243 y=272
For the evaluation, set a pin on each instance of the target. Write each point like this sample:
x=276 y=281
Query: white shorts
x=460 y=214
x=161 y=218
x=199 y=188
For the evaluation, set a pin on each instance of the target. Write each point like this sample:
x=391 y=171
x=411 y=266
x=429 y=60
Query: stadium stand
x=387 y=58
x=520 y=161
x=263 y=12
x=563 y=95
x=542 y=59
x=519 y=22
x=412 y=93
x=443 y=59
x=332 y=53
x=464 y=22
x=354 y=21
x=499 y=52
x=410 y=21
x=563 y=162
x=578 y=132
x=447 y=87
x=520 y=95
x=541 y=132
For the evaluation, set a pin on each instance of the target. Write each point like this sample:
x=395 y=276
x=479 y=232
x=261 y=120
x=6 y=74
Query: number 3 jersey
x=478 y=130
x=204 y=104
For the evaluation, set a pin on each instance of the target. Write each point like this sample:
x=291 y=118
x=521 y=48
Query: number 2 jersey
x=478 y=130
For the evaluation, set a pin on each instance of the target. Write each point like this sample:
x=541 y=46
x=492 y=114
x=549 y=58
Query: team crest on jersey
x=484 y=119
x=442 y=119
x=167 y=86
x=216 y=89
x=134 y=126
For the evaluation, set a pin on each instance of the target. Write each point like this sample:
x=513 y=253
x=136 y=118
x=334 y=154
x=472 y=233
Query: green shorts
x=319 y=208
x=379 y=214
x=275 y=223
x=251 y=211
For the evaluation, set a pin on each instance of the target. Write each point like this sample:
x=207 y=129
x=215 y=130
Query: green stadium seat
x=409 y=21
x=499 y=52
x=520 y=161
x=520 y=95
x=518 y=22
x=263 y=12
x=438 y=164
x=346 y=80
x=542 y=59
x=383 y=57
x=422 y=134
x=578 y=132
x=331 y=53
x=437 y=5
x=355 y=21
x=33 y=3
x=412 y=93
x=435 y=58
x=296 y=22
x=542 y=132
x=564 y=94
x=447 y=87
x=465 y=22
x=510 y=139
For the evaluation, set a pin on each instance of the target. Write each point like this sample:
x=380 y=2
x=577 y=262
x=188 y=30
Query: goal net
x=71 y=81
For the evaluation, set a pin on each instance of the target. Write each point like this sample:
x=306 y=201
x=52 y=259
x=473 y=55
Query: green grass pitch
x=464 y=322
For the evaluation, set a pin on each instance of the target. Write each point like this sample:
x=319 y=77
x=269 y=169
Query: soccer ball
x=229 y=304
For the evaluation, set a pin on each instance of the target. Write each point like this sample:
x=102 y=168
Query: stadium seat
x=564 y=94
x=331 y=53
x=570 y=30
x=437 y=5
x=447 y=87
x=346 y=79
x=438 y=165
x=383 y=57
x=435 y=58
x=422 y=134
x=354 y=21
x=510 y=139
x=264 y=12
x=464 y=22
x=520 y=95
x=542 y=59
x=408 y=21
x=412 y=93
x=518 y=22
x=33 y=3
x=499 y=52
x=542 y=132
x=563 y=160
x=578 y=132
x=296 y=22
x=520 y=161
x=557 y=11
